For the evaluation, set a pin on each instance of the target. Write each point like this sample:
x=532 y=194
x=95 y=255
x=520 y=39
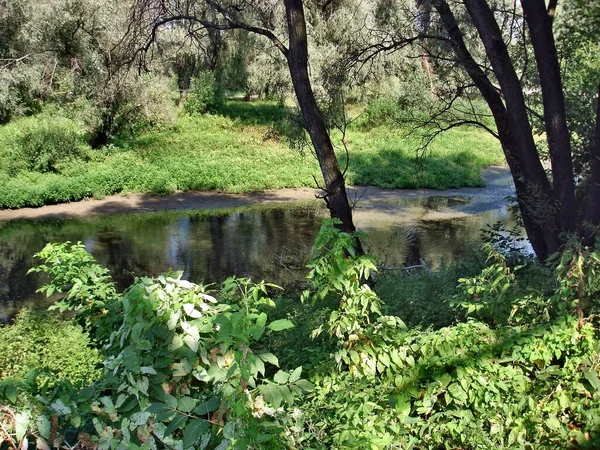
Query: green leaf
x=271 y=393
x=593 y=379
x=178 y=422
x=156 y=408
x=208 y=406
x=186 y=404
x=281 y=324
x=11 y=393
x=295 y=376
x=553 y=423
x=305 y=385
x=270 y=358
x=43 y=426
x=21 y=425
x=287 y=395
x=281 y=377
x=171 y=401
x=194 y=431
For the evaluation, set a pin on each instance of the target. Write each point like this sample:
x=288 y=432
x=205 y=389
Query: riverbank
x=244 y=148
x=371 y=202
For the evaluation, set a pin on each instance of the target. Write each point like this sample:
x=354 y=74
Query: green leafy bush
x=45 y=344
x=205 y=94
x=181 y=369
x=47 y=147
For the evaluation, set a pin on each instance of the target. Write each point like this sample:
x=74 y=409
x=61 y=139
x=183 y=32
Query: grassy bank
x=45 y=159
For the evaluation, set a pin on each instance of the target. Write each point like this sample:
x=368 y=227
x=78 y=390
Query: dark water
x=270 y=244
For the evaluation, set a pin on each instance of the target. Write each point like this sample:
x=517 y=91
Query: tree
x=550 y=208
x=149 y=16
x=563 y=201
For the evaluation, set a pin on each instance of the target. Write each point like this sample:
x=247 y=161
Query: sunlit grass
x=242 y=150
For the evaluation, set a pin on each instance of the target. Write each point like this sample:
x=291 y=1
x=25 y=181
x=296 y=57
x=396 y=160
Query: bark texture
x=297 y=57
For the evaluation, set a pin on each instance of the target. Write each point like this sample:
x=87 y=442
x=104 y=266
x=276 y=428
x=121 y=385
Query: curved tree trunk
x=335 y=187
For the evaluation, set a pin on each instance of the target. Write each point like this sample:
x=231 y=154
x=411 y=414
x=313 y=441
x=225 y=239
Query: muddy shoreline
x=373 y=201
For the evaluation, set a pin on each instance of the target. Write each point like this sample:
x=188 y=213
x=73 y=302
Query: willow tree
x=259 y=17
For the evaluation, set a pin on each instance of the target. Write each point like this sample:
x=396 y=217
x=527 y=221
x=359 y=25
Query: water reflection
x=270 y=244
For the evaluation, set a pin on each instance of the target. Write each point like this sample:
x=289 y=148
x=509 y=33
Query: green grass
x=242 y=149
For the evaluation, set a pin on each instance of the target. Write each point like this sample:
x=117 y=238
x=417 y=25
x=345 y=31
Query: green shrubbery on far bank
x=47 y=158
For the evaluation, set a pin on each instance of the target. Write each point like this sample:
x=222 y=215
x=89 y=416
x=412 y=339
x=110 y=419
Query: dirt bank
x=369 y=200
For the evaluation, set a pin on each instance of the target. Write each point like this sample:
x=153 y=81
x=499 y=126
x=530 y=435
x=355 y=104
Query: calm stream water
x=270 y=244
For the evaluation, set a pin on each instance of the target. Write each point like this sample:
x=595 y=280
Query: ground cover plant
x=244 y=147
x=517 y=367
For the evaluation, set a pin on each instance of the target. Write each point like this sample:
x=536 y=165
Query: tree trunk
x=531 y=184
x=335 y=188
x=590 y=220
x=555 y=116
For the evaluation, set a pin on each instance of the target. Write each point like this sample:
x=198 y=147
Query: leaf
x=295 y=376
x=271 y=393
x=175 y=424
x=173 y=319
x=270 y=358
x=61 y=408
x=281 y=324
x=44 y=426
x=176 y=343
x=287 y=395
x=305 y=385
x=191 y=311
x=41 y=444
x=208 y=406
x=156 y=408
x=192 y=342
x=593 y=379
x=171 y=401
x=21 y=425
x=194 y=431
x=553 y=423
x=186 y=404
x=281 y=377
x=11 y=393
x=148 y=370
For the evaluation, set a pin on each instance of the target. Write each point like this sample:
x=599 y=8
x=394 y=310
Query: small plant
x=205 y=94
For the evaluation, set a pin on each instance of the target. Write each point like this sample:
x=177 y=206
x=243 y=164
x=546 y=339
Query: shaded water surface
x=270 y=244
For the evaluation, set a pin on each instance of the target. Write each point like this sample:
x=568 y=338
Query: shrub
x=181 y=369
x=205 y=94
x=44 y=343
x=46 y=146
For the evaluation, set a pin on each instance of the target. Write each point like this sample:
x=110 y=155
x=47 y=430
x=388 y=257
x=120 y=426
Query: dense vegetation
x=511 y=361
x=46 y=158
x=106 y=96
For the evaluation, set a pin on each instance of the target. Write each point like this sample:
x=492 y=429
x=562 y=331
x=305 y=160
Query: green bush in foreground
x=53 y=348
x=183 y=370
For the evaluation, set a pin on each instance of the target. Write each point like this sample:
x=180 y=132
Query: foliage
x=468 y=385
x=181 y=370
x=252 y=156
x=51 y=348
x=42 y=144
x=48 y=148
x=205 y=94
x=90 y=291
